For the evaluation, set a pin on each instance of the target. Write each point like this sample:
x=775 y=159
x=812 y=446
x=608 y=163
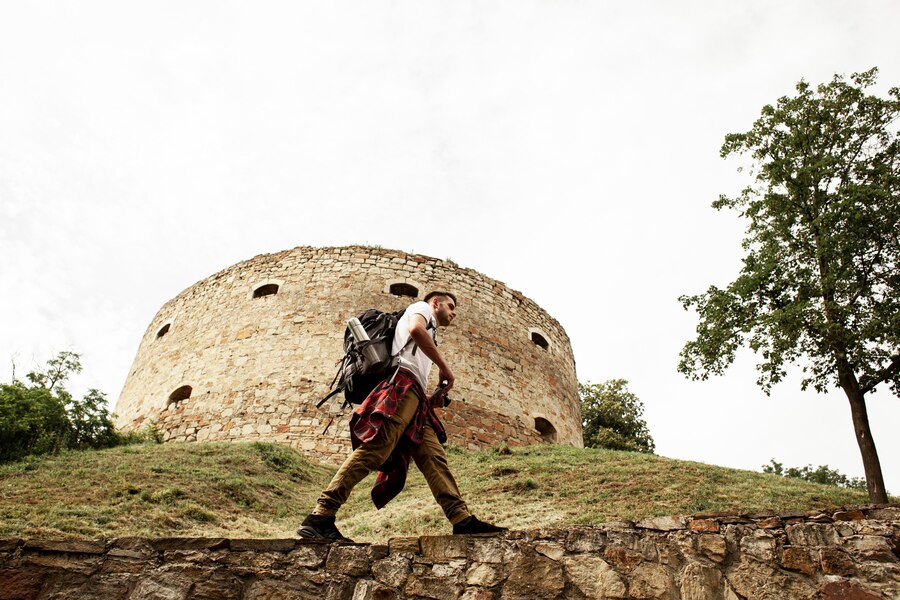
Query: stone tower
x=246 y=353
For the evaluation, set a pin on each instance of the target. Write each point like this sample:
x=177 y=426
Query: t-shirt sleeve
x=421 y=308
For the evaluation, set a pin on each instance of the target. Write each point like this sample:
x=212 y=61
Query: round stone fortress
x=248 y=352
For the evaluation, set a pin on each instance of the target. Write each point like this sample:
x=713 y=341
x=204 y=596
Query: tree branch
x=868 y=382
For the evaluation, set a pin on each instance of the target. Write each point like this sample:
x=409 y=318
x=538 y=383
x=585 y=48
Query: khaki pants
x=429 y=457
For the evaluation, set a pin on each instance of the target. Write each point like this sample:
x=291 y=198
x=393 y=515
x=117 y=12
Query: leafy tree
x=91 y=423
x=44 y=417
x=824 y=474
x=611 y=417
x=820 y=283
x=32 y=421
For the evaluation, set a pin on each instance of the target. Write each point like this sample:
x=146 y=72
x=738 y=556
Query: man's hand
x=446 y=375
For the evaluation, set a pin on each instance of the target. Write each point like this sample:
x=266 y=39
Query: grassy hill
x=264 y=490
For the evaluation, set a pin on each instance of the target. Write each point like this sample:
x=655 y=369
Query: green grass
x=264 y=490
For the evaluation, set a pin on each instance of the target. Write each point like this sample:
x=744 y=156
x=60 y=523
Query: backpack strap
x=433 y=337
x=333 y=392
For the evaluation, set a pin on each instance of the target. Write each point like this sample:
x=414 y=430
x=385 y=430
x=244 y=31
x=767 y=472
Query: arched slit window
x=182 y=393
x=270 y=289
x=539 y=340
x=164 y=330
x=404 y=289
x=545 y=428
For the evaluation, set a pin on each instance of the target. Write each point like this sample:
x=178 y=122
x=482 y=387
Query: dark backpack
x=357 y=376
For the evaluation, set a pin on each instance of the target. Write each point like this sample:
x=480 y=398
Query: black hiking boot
x=320 y=527
x=471 y=525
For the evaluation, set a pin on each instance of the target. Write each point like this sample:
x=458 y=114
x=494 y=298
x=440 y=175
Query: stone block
x=477 y=593
x=712 y=547
x=846 y=590
x=836 y=561
x=751 y=578
x=871 y=547
x=701 y=582
x=437 y=588
x=196 y=558
x=10 y=544
x=348 y=560
x=886 y=530
x=371 y=590
x=80 y=589
x=378 y=551
x=125 y=565
x=484 y=575
x=804 y=560
x=83 y=565
x=770 y=523
x=217 y=588
x=20 y=583
x=703 y=525
x=651 y=581
x=760 y=544
x=594 y=577
x=672 y=523
x=65 y=547
x=624 y=559
x=552 y=550
x=308 y=555
x=404 y=545
x=533 y=576
x=263 y=545
x=443 y=547
x=668 y=549
x=131 y=548
x=889 y=513
x=454 y=567
x=162 y=587
x=811 y=534
x=166 y=544
x=392 y=571
x=849 y=515
x=490 y=550
x=586 y=540
x=297 y=589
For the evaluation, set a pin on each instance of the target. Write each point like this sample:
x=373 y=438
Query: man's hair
x=439 y=294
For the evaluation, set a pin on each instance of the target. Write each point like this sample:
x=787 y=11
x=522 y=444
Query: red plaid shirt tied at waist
x=368 y=419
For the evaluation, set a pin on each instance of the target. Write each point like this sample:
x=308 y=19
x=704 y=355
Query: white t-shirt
x=418 y=363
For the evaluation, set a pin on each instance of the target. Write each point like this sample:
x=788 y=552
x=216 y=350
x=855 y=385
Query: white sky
x=569 y=149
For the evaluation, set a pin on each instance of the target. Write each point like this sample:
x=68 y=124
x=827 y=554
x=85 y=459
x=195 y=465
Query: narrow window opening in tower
x=546 y=429
x=182 y=393
x=404 y=289
x=539 y=340
x=164 y=330
x=270 y=289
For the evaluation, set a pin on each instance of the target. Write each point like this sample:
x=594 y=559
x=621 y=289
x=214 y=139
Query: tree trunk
x=871 y=464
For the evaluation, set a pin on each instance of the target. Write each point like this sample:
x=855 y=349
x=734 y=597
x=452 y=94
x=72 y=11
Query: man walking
x=396 y=423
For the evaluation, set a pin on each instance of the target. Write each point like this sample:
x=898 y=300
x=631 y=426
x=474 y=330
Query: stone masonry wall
x=257 y=366
x=848 y=554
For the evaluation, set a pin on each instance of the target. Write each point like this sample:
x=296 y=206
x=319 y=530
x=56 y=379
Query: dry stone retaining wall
x=219 y=363
x=849 y=554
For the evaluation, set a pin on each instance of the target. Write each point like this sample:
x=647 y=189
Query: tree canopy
x=823 y=474
x=820 y=282
x=44 y=417
x=611 y=417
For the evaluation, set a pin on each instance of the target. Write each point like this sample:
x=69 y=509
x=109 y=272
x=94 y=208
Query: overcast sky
x=569 y=149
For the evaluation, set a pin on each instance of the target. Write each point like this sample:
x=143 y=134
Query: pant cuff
x=323 y=512
x=460 y=517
